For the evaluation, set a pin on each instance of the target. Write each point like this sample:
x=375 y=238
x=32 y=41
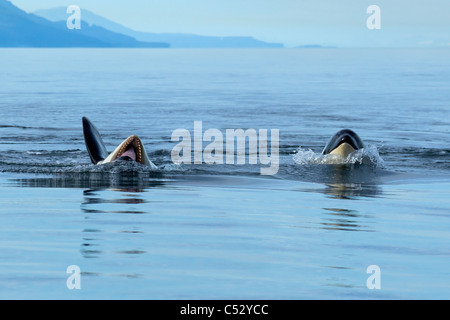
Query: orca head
x=343 y=143
x=132 y=149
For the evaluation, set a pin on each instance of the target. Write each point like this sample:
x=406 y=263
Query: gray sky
x=293 y=22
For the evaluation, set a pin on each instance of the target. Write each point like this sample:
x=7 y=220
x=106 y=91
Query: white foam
x=368 y=155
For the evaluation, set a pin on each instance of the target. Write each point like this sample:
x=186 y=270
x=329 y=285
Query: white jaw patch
x=343 y=150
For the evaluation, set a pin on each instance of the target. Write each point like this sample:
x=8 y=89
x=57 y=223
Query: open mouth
x=131 y=148
x=129 y=154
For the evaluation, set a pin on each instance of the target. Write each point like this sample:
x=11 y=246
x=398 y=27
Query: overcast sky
x=293 y=22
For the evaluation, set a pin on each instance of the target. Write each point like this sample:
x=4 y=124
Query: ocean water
x=204 y=231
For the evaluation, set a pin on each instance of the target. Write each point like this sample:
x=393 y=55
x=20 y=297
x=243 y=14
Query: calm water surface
x=224 y=231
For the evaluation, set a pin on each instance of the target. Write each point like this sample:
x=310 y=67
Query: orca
x=343 y=143
x=131 y=149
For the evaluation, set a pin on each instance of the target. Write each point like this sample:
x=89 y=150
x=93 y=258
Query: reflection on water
x=108 y=201
x=352 y=191
x=344 y=220
x=90 y=199
x=90 y=246
x=350 y=174
x=122 y=201
x=133 y=181
x=348 y=182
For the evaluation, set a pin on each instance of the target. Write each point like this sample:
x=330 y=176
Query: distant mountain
x=21 y=29
x=176 y=40
x=313 y=46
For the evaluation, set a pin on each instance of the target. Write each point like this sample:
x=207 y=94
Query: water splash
x=368 y=155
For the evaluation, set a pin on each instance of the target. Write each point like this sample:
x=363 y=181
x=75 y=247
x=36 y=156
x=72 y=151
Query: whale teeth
x=136 y=143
